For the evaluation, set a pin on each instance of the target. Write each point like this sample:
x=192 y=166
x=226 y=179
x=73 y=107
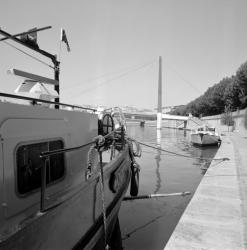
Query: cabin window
x=29 y=165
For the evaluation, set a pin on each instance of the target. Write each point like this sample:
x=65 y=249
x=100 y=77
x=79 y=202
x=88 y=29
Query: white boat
x=61 y=183
x=205 y=136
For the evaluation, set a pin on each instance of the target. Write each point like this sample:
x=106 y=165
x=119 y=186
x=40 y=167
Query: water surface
x=148 y=224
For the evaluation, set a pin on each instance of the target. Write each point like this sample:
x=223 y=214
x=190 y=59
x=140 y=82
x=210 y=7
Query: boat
x=64 y=169
x=205 y=136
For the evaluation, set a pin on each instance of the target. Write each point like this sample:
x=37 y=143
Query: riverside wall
x=216 y=217
x=238 y=117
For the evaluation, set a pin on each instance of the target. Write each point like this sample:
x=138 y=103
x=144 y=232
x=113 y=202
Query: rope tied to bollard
x=181 y=155
x=150 y=196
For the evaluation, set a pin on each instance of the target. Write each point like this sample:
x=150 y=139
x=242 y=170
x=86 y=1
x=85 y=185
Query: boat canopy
x=206 y=128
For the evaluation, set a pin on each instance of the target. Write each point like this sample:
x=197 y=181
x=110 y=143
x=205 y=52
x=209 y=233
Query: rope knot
x=99 y=140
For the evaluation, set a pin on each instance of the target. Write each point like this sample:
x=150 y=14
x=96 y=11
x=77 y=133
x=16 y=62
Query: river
x=148 y=224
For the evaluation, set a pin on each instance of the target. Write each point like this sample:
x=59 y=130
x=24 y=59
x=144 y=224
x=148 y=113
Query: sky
x=115 y=45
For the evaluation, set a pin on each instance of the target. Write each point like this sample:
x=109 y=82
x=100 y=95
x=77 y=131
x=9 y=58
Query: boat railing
x=45 y=155
x=35 y=101
x=116 y=135
x=65 y=150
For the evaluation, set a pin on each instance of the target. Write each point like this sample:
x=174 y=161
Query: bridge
x=170 y=121
x=153 y=116
x=174 y=117
x=174 y=121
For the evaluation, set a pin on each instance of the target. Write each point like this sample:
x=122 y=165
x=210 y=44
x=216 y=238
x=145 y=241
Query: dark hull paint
x=111 y=211
x=60 y=227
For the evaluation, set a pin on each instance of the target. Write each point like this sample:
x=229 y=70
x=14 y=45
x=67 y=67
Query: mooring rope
x=181 y=155
x=65 y=150
x=102 y=190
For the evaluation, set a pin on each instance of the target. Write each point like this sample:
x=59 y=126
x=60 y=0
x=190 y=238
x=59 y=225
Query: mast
x=159 y=108
x=56 y=77
x=53 y=58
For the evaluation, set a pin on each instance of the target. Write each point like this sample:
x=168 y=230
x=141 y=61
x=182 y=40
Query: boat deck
x=216 y=217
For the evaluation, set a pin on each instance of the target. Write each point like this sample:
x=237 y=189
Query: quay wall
x=192 y=123
x=216 y=217
x=238 y=118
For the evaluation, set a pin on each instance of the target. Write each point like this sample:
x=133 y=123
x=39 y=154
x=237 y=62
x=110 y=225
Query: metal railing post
x=43 y=185
x=122 y=136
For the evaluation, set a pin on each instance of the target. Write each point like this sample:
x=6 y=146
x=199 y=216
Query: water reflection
x=148 y=224
x=158 y=159
x=203 y=156
x=185 y=132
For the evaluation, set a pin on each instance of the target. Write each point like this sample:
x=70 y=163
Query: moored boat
x=63 y=171
x=205 y=136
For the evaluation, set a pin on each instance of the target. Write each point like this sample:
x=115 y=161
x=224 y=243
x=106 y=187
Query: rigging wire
x=114 y=78
x=27 y=54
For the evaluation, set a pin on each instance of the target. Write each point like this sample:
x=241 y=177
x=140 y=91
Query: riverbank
x=238 y=118
x=216 y=217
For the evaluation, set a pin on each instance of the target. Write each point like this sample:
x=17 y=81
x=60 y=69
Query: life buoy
x=134 y=184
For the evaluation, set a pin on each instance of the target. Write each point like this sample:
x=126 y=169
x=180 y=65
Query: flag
x=64 y=39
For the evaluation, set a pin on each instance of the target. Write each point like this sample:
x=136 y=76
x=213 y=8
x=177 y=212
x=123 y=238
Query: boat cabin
x=206 y=128
x=71 y=195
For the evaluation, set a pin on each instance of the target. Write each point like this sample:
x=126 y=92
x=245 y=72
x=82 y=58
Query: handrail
x=64 y=150
x=46 y=154
x=43 y=101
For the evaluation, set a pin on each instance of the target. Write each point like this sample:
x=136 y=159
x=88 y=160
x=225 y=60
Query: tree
x=231 y=94
x=241 y=81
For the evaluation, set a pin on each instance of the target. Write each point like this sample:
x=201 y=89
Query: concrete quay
x=216 y=217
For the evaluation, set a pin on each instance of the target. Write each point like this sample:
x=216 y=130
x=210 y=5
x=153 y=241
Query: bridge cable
x=114 y=78
x=181 y=77
x=108 y=74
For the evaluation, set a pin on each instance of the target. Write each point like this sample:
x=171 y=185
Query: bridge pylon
x=159 y=108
